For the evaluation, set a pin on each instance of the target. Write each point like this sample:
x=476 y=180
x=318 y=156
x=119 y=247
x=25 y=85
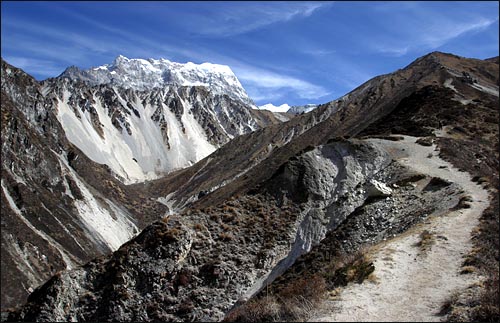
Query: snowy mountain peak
x=271 y=107
x=146 y=74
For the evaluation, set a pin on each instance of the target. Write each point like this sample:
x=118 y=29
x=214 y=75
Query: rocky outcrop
x=59 y=209
x=143 y=135
x=260 y=199
x=377 y=189
x=67 y=149
x=197 y=265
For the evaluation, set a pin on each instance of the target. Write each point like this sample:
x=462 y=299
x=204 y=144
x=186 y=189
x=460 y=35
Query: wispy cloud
x=423 y=27
x=44 y=68
x=436 y=37
x=239 y=18
x=75 y=47
x=442 y=34
x=265 y=85
x=317 y=52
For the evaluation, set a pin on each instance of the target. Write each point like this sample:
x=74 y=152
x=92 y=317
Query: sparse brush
x=351 y=267
x=468 y=270
x=372 y=278
x=199 y=227
x=427 y=239
x=293 y=303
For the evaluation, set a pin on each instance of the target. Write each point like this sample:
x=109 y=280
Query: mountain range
x=150 y=190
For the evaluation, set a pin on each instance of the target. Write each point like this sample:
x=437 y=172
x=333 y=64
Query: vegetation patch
x=294 y=300
x=293 y=303
x=427 y=239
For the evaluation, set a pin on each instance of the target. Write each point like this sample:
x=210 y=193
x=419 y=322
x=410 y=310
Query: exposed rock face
x=197 y=264
x=146 y=118
x=52 y=219
x=300 y=109
x=147 y=74
x=60 y=208
x=247 y=211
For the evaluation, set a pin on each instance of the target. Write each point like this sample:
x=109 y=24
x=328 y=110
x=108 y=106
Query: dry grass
x=295 y=299
x=293 y=303
x=372 y=278
x=427 y=239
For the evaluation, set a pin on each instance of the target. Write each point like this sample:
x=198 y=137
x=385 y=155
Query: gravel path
x=411 y=285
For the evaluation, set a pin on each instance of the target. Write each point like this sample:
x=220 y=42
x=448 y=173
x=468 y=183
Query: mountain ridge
x=262 y=200
x=147 y=74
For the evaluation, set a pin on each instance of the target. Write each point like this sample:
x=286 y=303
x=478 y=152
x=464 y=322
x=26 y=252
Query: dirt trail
x=411 y=285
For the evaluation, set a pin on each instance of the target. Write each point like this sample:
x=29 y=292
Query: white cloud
x=38 y=66
x=424 y=28
x=318 y=52
x=443 y=34
x=238 y=18
x=265 y=83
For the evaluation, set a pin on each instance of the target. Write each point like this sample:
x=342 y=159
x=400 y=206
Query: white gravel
x=411 y=285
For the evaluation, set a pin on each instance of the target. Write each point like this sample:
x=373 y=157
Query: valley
x=180 y=201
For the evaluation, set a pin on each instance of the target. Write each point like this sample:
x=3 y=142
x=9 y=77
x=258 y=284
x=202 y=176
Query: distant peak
x=271 y=107
x=119 y=60
x=146 y=74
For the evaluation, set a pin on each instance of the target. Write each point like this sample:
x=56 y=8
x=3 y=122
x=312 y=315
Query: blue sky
x=282 y=52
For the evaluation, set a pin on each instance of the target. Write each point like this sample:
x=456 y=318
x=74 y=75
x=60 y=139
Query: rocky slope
x=416 y=272
x=275 y=203
x=299 y=109
x=68 y=147
x=146 y=74
x=251 y=159
x=146 y=118
x=59 y=208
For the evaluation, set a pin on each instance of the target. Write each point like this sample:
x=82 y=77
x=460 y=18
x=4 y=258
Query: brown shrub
x=426 y=240
x=293 y=303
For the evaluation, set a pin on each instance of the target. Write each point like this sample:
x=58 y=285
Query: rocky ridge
x=278 y=194
x=146 y=74
x=67 y=149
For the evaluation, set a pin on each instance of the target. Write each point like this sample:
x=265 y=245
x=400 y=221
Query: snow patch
x=299 y=109
x=270 y=107
x=146 y=74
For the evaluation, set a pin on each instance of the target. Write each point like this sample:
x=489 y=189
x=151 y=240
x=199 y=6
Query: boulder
x=375 y=188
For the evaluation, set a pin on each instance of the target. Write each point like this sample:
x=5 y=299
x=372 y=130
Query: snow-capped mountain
x=147 y=74
x=321 y=185
x=298 y=109
x=236 y=219
x=68 y=147
x=271 y=107
x=145 y=118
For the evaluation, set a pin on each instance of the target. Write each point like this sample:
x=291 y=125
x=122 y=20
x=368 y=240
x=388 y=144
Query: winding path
x=410 y=285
